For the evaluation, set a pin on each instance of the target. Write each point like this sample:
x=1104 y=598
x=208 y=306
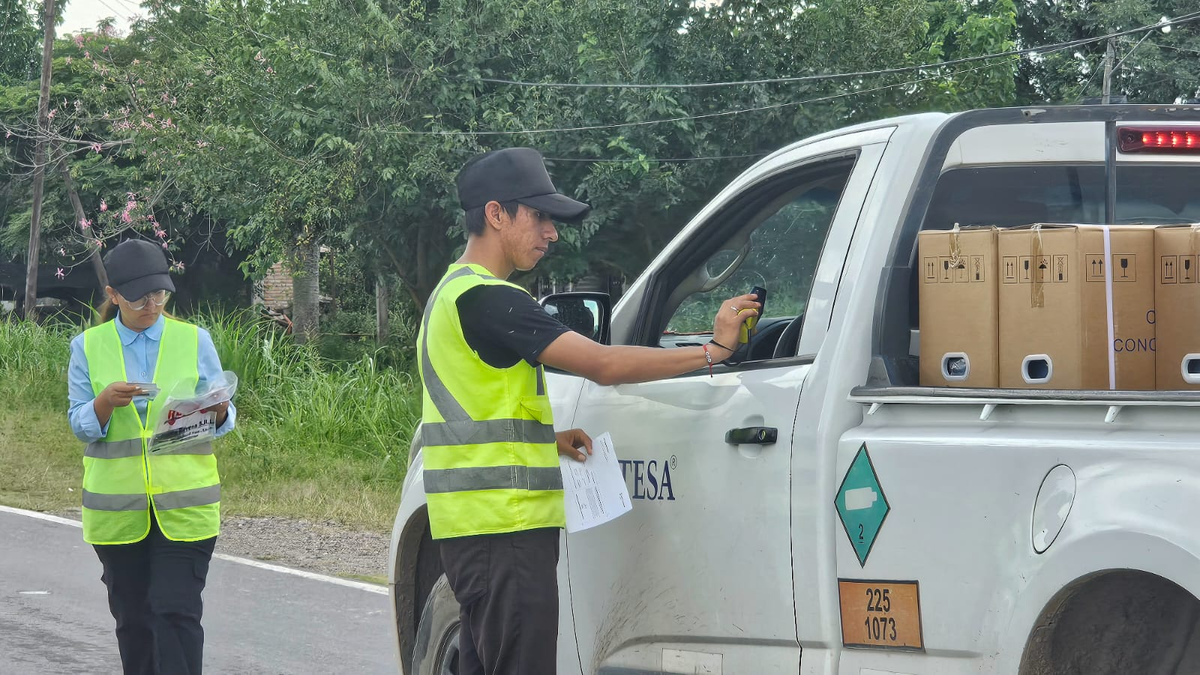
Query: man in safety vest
x=491 y=475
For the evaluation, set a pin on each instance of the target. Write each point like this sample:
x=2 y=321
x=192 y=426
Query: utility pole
x=1110 y=140
x=39 y=165
x=1109 y=55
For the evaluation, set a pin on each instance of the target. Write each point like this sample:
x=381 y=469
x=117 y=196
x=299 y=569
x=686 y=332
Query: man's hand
x=570 y=442
x=222 y=410
x=730 y=317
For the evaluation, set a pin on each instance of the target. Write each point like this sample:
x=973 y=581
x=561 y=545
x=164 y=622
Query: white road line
x=362 y=586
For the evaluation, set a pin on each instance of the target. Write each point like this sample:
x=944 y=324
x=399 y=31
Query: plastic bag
x=179 y=423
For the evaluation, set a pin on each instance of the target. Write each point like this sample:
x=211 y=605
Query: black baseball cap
x=136 y=267
x=515 y=175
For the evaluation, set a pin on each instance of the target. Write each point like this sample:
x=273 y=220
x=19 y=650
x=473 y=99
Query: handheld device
x=150 y=388
x=747 y=327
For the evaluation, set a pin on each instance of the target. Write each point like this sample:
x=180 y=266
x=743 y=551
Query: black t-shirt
x=504 y=325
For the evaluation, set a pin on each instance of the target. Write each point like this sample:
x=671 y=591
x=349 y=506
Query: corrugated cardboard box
x=1177 y=306
x=958 y=307
x=1077 y=307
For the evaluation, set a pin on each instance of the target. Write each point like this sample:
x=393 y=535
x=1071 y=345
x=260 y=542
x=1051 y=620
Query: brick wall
x=275 y=290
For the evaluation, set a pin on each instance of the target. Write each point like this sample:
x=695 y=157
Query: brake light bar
x=1159 y=139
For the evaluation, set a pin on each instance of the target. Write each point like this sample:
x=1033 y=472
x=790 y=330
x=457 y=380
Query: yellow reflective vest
x=491 y=461
x=121 y=480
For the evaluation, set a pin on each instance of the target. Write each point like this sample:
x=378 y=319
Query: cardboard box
x=1077 y=307
x=1177 y=306
x=958 y=307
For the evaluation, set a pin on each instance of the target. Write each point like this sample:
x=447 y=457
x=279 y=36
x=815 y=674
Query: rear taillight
x=1160 y=139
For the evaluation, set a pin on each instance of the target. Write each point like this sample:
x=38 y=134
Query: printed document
x=595 y=489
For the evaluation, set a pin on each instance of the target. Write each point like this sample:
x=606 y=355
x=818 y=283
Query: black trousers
x=507 y=585
x=154 y=588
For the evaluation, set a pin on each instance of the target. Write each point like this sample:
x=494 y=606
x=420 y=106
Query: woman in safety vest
x=153 y=517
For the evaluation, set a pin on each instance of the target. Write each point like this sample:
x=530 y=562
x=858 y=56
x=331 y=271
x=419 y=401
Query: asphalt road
x=54 y=616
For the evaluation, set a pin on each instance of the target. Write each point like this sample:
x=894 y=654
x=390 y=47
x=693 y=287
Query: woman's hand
x=115 y=395
x=118 y=394
x=570 y=441
x=222 y=410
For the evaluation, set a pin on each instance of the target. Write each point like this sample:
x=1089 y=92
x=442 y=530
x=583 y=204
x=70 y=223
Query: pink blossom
x=52 y=113
x=270 y=70
x=259 y=57
x=136 y=61
x=103 y=205
x=105 y=49
x=166 y=97
x=164 y=245
x=84 y=223
x=60 y=274
x=78 y=40
x=131 y=204
x=62 y=251
x=125 y=218
x=96 y=147
x=151 y=115
x=141 y=81
x=8 y=134
x=86 y=55
x=161 y=234
x=177 y=266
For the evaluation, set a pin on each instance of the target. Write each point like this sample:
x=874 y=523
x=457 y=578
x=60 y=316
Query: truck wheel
x=436 y=648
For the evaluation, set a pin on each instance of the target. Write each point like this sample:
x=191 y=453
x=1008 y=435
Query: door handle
x=752 y=436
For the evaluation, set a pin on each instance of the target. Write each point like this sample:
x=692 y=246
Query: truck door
x=698 y=577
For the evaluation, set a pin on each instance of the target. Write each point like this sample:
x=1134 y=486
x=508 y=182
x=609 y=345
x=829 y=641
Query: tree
x=1157 y=66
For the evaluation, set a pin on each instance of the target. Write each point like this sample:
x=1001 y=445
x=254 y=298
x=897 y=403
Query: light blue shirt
x=141 y=355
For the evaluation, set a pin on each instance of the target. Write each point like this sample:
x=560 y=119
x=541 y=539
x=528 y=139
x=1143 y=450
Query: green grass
x=314 y=439
x=378 y=580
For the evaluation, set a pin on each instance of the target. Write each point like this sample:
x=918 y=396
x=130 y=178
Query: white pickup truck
x=889 y=529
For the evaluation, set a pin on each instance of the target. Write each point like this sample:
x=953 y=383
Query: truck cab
x=889 y=528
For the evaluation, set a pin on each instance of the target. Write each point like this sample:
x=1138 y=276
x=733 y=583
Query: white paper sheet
x=595 y=489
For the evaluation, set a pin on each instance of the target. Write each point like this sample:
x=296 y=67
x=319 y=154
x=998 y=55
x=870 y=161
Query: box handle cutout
x=1190 y=368
x=956 y=366
x=1037 y=369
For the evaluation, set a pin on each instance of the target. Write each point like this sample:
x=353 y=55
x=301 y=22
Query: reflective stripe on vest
x=491 y=461
x=493 y=478
x=119 y=476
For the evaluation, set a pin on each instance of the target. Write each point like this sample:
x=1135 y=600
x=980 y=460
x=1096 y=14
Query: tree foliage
x=287 y=124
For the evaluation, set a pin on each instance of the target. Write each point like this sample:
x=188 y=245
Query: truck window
x=788 y=224
x=1010 y=196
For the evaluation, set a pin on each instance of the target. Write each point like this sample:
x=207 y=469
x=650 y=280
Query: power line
x=684 y=118
x=1050 y=48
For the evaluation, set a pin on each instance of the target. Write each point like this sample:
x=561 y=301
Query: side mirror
x=589 y=314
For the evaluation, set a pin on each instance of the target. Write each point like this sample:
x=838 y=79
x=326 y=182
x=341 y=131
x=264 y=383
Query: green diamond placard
x=861 y=504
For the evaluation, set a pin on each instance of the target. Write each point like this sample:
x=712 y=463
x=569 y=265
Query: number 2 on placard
x=860 y=531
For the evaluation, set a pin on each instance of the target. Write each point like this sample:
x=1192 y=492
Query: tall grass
x=314 y=438
x=33 y=361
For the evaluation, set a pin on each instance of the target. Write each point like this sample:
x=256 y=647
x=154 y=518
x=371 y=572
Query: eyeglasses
x=159 y=298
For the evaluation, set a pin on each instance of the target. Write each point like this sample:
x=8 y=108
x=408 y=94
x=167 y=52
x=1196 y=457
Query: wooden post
x=39 y=165
x=381 y=310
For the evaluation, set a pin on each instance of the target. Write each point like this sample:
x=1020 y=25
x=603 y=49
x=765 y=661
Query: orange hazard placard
x=881 y=614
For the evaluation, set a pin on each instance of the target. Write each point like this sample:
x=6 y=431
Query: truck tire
x=436 y=648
